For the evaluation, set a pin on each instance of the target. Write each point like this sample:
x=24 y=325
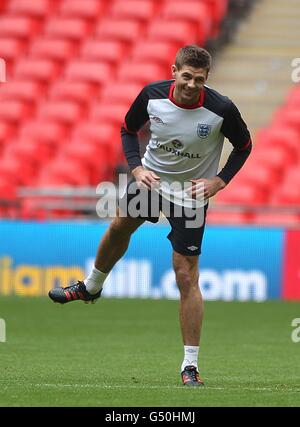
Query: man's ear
x=173 y=69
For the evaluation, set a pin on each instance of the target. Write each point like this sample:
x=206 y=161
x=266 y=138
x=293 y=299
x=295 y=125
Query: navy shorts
x=187 y=224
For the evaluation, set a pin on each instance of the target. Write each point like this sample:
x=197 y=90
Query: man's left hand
x=205 y=188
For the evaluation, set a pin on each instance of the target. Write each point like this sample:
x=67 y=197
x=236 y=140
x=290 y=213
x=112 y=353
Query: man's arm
x=235 y=162
x=136 y=117
x=235 y=129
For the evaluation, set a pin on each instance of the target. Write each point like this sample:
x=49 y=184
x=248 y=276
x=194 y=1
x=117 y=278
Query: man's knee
x=122 y=227
x=184 y=278
x=186 y=272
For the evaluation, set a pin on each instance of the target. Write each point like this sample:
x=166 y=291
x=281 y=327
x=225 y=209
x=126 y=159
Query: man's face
x=189 y=82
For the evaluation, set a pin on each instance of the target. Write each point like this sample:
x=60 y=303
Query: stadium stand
x=37 y=9
x=53 y=49
x=74 y=67
x=92 y=9
x=271 y=177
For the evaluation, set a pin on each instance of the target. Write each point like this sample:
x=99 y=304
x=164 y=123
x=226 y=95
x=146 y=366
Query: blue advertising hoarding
x=236 y=263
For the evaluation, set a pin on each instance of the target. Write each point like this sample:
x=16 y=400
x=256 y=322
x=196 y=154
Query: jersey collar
x=188 y=107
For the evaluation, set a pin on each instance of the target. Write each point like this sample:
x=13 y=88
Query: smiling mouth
x=190 y=93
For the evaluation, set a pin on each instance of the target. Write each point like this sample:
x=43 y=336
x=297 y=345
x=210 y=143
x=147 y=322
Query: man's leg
x=191 y=303
x=111 y=248
x=115 y=241
x=190 y=314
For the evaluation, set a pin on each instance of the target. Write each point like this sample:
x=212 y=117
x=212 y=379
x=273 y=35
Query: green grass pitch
x=128 y=353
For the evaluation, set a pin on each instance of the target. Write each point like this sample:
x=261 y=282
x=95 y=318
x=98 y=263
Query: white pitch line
x=179 y=387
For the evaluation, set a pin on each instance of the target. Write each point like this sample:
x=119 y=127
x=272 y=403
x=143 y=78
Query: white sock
x=190 y=356
x=94 y=281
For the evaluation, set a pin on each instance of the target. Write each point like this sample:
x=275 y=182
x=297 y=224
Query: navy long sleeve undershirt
x=234 y=163
x=131 y=148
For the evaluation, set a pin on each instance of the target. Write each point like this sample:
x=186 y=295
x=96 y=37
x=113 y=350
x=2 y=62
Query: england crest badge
x=203 y=130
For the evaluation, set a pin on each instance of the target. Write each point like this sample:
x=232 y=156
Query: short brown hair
x=194 y=56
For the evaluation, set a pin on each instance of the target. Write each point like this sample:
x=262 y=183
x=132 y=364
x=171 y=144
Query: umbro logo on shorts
x=192 y=248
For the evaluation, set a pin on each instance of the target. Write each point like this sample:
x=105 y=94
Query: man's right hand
x=145 y=178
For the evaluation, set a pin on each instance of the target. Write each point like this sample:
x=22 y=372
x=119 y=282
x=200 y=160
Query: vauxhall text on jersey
x=185 y=141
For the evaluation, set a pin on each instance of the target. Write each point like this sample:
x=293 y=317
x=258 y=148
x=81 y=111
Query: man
x=188 y=122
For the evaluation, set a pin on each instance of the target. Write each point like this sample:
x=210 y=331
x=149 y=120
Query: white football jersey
x=185 y=141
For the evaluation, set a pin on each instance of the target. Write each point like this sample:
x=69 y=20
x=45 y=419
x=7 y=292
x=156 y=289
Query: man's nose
x=191 y=84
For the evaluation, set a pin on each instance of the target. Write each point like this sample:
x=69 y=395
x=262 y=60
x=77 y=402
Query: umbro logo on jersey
x=203 y=130
x=177 y=144
x=192 y=248
x=157 y=120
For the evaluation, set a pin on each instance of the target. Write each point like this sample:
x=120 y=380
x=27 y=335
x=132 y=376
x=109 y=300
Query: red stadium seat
x=72 y=90
x=18 y=26
x=49 y=132
x=260 y=175
x=10 y=170
x=37 y=69
x=239 y=192
x=56 y=49
x=122 y=92
x=24 y=161
x=289 y=116
x=101 y=134
x=286 y=194
x=14 y=110
x=109 y=113
x=3 y=6
x=11 y=48
x=134 y=9
x=293 y=175
x=38 y=8
x=111 y=51
x=24 y=90
x=65 y=173
x=190 y=11
x=104 y=135
x=95 y=158
x=7 y=130
x=142 y=73
x=67 y=112
x=8 y=190
x=69 y=28
x=182 y=33
x=90 y=71
x=90 y=9
x=127 y=31
x=29 y=152
x=275 y=157
x=217 y=9
x=279 y=135
x=155 y=51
